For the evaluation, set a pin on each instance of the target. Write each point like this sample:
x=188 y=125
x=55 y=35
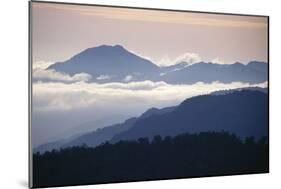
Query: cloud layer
x=40 y=72
x=61 y=102
x=189 y=58
x=68 y=96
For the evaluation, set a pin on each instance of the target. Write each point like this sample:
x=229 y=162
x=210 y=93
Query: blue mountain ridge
x=100 y=135
x=107 y=63
x=242 y=111
x=113 y=61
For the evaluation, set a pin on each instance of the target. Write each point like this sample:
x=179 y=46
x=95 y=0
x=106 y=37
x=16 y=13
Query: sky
x=61 y=31
x=66 y=105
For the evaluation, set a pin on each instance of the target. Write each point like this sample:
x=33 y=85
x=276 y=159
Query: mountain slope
x=115 y=62
x=103 y=134
x=244 y=113
x=100 y=135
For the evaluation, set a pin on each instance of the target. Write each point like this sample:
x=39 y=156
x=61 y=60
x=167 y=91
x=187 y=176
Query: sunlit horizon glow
x=60 y=31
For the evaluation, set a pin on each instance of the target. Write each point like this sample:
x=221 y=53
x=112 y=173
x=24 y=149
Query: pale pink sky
x=61 y=31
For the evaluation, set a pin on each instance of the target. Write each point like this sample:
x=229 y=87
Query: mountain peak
x=237 y=64
x=112 y=60
x=118 y=46
x=105 y=48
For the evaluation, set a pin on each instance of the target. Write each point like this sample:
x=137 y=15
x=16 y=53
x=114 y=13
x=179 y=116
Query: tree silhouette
x=182 y=156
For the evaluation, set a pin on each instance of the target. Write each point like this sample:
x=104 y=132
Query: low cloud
x=41 y=65
x=145 y=94
x=40 y=72
x=220 y=61
x=60 y=106
x=103 y=77
x=128 y=78
x=188 y=58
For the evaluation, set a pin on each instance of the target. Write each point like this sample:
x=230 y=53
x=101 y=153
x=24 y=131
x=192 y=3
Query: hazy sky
x=61 y=31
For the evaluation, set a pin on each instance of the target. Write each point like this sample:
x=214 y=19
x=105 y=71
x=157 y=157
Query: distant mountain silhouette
x=79 y=130
x=116 y=64
x=255 y=72
x=244 y=113
x=90 y=138
x=103 y=134
x=100 y=135
x=55 y=144
x=241 y=111
x=259 y=66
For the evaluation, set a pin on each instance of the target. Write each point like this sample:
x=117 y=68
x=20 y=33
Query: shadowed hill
x=100 y=135
x=244 y=113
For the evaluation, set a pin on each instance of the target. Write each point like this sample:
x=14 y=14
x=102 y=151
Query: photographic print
x=121 y=94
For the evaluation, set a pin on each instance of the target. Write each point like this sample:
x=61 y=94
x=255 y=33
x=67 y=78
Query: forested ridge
x=185 y=155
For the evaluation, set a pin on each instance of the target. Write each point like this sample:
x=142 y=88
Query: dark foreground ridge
x=182 y=156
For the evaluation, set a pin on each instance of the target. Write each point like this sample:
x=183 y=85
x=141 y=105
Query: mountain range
x=107 y=63
x=243 y=112
x=100 y=135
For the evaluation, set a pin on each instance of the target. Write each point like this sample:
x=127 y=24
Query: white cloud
x=128 y=78
x=41 y=65
x=138 y=95
x=103 y=77
x=81 y=77
x=220 y=61
x=262 y=85
x=165 y=61
x=189 y=58
x=52 y=75
x=40 y=72
x=141 y=85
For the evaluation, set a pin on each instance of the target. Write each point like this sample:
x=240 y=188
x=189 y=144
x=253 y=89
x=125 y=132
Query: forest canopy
x=185 y=155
